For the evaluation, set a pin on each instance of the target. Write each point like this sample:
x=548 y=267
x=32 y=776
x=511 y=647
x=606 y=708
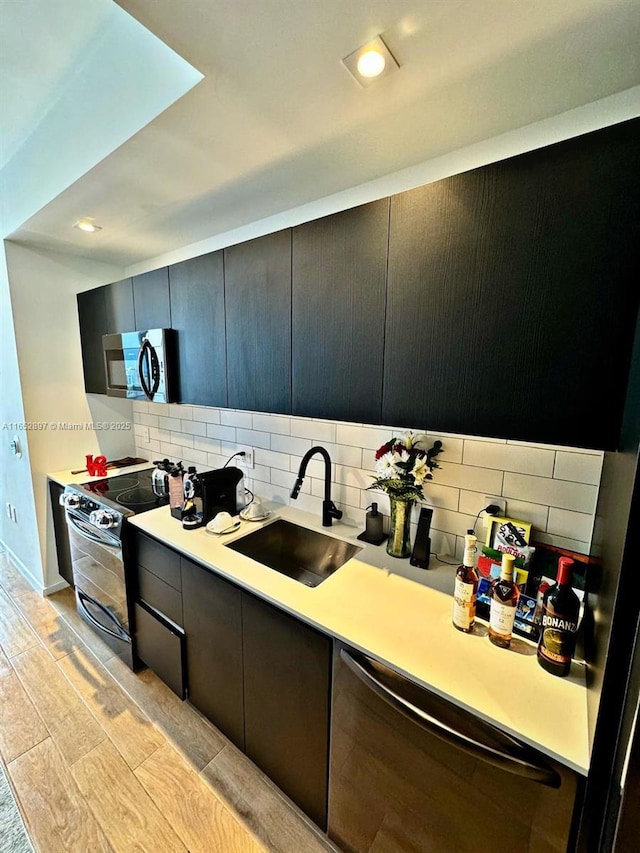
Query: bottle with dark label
x=560 y=609
x=504 y=597
x=466 y=587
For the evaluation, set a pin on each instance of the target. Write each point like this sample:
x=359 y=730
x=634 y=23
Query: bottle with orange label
x=466 y=588
x=560 y=610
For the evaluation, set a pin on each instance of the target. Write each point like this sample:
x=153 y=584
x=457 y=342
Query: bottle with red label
x=560 y=611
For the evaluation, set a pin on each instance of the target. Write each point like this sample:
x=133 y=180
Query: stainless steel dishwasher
x=410 y=771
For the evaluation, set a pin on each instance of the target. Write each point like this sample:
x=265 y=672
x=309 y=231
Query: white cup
x=223 y=521
x=255 y=509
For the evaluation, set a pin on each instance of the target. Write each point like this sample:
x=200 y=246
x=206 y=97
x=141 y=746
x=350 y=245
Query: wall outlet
x=14 y=515
x=246 y=461
x=8 y=510
x=501 y=502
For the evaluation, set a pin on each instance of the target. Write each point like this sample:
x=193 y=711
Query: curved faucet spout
x=329 y=509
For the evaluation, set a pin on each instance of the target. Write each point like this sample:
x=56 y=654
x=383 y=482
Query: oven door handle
x=121 y=634
x=516 y=760
x=87 y=532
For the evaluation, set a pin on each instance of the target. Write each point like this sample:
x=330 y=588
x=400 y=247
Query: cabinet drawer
x=159 y=595
x=161 y=648
x=159 y=560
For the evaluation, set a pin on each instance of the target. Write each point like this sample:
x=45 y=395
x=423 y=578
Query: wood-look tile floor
x=102 y=759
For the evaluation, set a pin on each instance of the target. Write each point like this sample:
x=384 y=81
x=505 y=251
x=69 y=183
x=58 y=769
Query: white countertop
x=66 y=478
x=401 y=616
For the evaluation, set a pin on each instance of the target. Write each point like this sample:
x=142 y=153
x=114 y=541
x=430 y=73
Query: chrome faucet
x=329 y=509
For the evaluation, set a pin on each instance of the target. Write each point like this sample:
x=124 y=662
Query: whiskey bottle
x=560 y=609
x=466 y=587
x=504 y=597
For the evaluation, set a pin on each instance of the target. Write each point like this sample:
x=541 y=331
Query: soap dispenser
x=373 y=527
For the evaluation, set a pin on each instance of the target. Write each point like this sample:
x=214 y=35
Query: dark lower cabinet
x=287 y=677
x=63 y=551
x=213 y=624
x=161 y=645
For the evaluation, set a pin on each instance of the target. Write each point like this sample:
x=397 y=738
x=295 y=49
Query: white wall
x=47 y=336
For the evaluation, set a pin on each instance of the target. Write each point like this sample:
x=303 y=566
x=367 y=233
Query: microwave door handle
x=142 y=355
x=510 y=762
x=155 y=370
x=120 y=634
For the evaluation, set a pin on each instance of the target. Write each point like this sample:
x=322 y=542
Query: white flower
x=403 y=456
x=420 y=471
x=385 y=467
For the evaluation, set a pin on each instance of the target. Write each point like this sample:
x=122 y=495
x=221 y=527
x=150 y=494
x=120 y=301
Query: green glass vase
x=398 y=543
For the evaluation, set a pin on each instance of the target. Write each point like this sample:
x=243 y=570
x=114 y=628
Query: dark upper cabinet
x=197 y=310
x=119 y=313
x=512 y=295
x=212 y=613
x=257 y=282
x=287 y=677
x=151 y=300
x=339 y=271
x=93 y=325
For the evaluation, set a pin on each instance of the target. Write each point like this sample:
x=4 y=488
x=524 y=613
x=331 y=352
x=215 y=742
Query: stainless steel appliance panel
x=141 y=365
x=409 y=771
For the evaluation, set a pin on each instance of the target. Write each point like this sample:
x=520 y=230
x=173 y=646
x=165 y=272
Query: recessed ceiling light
x=87 y=224
x=370 y=62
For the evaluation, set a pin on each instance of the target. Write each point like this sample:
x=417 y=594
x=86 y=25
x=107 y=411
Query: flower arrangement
x=402 y=466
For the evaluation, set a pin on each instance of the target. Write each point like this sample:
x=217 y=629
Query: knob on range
x=103 y=519
x=69 y=500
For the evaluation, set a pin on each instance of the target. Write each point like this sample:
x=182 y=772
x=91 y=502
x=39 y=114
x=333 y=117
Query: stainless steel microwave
x=141 y=365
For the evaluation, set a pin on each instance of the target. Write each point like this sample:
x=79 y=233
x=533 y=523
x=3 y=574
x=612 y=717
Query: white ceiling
x=277 y=121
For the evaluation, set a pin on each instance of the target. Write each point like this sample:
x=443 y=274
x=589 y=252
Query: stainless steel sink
x=304 y=555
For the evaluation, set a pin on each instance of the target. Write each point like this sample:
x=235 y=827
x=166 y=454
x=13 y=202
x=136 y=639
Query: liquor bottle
x=560 y=609
x=504 y=597
x=466 y=587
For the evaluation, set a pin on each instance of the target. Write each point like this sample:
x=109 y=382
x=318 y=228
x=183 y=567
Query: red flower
x=386 y=448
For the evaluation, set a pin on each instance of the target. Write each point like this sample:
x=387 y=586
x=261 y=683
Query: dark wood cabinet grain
x=151 y=300
x=161 y=646
x=63 y=550
x=339 y=271
x=213 y=625
x=197 y=310
x=257 y=281
x=512 y=298
x=119 y=311
x=93 y=323
x=287 y=675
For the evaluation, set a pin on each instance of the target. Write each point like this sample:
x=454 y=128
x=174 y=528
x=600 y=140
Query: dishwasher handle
x=517 y=759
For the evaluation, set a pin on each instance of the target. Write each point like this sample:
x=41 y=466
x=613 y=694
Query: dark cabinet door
x=63 y=551
x=160 y=645
x=339 y=272
x=512 y=296
x=119 y=311
x=151 y=300
x=257 y=282
x=287 y=672
x=213 y=626
x=197 y=310
x=92 y=317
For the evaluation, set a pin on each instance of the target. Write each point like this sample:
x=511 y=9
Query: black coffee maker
x=211 y=492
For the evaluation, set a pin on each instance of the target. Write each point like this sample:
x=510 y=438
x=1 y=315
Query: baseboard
x=20 y=566
x=55 y=587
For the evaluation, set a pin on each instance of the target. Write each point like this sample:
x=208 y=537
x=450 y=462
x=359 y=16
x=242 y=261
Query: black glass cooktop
x=132 y=491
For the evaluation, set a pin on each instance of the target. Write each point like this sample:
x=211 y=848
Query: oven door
x=98 y=576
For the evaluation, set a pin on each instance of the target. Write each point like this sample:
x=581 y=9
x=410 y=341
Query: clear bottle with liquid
x=504 y=598
x=466 y=587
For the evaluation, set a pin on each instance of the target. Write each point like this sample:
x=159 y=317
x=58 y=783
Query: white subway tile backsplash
x=572 y=525
x=231 y=417
x=317 y=431
x=277 y=424
x=483 y=480
x=224 y=433
x=558 y=493
x=555 y=488
x=578 y=467
x=253 y=438
x=508 y=457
